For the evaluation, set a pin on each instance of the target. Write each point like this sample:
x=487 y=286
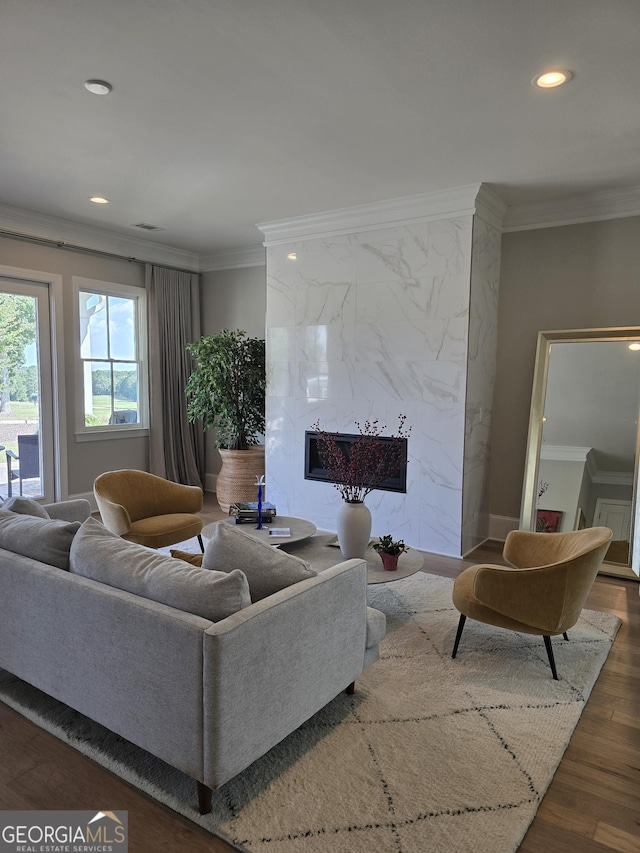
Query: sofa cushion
x=267 y=569
x=25 y=506
x=41 y=539
x=98 y=554
x=187 y=556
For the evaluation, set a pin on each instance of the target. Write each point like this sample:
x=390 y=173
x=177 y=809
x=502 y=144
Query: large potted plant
x=226 y=391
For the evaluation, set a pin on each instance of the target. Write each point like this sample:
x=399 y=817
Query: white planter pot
x=354 y=529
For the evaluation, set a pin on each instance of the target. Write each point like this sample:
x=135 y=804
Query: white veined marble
x=378 y=323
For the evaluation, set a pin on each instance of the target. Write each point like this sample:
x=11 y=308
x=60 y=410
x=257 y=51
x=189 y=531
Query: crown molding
x=229 y=259
x=602 y=477
x=490 y=207
x=26 y=224
x=472 y=199
x=613 y=478
x=608 y=204
x=558 y=452
x=444 y=204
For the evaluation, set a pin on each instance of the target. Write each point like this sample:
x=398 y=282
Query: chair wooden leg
x=204 y=798
x=552 y=663
x=201 y=543
x=463 y=619
x=565 y=636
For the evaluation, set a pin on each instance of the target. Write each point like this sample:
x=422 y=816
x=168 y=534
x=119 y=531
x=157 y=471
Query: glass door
x=26 y=402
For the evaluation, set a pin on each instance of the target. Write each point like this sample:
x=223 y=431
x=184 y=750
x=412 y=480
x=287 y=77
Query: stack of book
x=247 y=512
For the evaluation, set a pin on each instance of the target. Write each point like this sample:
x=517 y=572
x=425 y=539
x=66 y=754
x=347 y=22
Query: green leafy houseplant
x=226 y=389
x=387 y=545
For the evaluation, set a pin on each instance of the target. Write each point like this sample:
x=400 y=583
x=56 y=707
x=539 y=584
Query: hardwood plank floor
x=591 y=806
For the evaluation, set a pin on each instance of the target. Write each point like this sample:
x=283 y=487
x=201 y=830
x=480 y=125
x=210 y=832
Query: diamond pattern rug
x=430 y=754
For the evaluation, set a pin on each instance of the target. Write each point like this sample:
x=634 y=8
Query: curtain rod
x=60 y=244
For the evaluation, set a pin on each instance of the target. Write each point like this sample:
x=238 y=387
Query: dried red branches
x=360 y=466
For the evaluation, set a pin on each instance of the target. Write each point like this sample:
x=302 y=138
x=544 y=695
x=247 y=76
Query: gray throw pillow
x=267 y=569
x=25 y=506
x=98 y=554
x=41 y=539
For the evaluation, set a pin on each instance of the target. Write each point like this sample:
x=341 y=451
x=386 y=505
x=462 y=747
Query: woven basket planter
x=237 y=480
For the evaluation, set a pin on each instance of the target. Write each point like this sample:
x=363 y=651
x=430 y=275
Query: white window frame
x=107 y=431
x=57 y=461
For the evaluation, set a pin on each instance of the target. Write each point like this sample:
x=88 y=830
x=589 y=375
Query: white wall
x=374 y=324
x=565 y=483
x=481 y=368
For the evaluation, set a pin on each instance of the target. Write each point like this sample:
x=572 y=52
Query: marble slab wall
x=370 y=325
x=481 y=366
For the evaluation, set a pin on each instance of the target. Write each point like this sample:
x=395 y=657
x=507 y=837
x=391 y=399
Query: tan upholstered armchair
x=147 y=509
x=544 y=589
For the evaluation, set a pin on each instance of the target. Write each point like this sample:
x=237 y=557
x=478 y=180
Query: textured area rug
x=430 y=754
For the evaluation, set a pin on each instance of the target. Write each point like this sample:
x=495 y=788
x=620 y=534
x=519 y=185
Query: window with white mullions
x=111 y=356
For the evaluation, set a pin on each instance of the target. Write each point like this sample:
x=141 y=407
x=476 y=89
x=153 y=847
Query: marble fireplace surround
x=378 y=311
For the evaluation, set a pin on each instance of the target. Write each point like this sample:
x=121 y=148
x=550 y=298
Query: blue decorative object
x=260 y=482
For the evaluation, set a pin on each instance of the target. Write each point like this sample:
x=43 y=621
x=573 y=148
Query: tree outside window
x=111 y=364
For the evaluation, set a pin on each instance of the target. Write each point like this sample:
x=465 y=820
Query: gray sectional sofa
x=209 y=694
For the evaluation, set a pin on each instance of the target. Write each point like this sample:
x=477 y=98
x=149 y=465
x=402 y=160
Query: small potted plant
x=390 y=550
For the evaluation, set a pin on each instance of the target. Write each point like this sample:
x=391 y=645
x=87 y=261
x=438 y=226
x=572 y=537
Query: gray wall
x=85 y=459
x=569 y=277
x=572 y=276
x=234 y=299
x=231 y=299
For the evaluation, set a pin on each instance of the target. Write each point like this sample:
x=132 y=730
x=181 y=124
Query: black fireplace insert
x=314 y=470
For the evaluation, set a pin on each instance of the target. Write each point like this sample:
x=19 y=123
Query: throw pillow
x=25 y=506
x=42 y=539
x=267 y=569
x=98 y=554
x=187 y=556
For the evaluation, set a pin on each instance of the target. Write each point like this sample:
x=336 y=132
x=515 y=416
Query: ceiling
x=228 y=113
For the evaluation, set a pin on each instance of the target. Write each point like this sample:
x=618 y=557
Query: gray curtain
x=176 y=447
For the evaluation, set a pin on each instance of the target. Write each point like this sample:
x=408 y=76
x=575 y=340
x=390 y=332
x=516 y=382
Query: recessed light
x=98 y=199
x=635 y=346
x=98 y=87
x=551 y=79
x=292 y=256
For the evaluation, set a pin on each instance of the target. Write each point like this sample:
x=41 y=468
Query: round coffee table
x=299 y=527
x=323 y=552
x=408 y=564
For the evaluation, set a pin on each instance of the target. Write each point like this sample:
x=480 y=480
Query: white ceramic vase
x=354 y=528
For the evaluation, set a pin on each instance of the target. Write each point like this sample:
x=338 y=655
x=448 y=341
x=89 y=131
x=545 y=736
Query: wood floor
x=592 y=805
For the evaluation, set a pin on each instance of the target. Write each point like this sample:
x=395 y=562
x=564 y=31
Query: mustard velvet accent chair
x=541 y=592
x=147 y=509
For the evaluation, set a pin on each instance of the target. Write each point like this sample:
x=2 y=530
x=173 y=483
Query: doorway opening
x=26 y=395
